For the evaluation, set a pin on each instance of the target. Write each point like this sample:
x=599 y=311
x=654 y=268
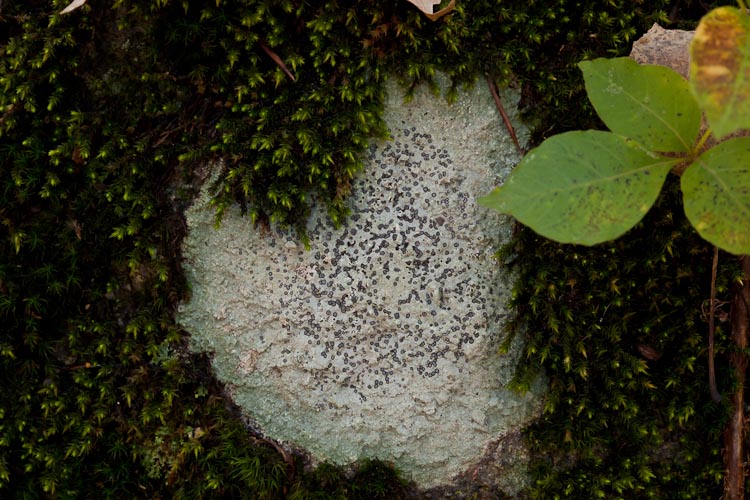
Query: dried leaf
x=427 y=7
x=73 y=6
x=649 y=352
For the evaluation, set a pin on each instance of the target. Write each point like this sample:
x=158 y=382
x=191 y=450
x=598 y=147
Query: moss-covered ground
x=105 y=110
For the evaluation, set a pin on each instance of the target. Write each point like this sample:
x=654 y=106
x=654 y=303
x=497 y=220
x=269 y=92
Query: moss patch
x=101 y=110
x=621 y=331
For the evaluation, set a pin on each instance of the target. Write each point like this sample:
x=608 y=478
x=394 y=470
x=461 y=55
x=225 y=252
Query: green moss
x=620 y=330
x=371 y=479
x=104 y=110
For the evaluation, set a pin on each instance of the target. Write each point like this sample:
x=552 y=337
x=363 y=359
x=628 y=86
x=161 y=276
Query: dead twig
x=501 y=109
x=276 y=59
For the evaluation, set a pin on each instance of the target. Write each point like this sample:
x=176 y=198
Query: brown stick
x=506 y=120
x=735 y=431
x=711 y=329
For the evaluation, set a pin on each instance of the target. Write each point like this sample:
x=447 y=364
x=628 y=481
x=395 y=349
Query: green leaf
x=650 y=104
x=720 y=69
x=716 y=195
x=582 y=187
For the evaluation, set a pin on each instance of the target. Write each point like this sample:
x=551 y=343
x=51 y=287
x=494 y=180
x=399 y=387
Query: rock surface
x=664 y=47
x=381 y=341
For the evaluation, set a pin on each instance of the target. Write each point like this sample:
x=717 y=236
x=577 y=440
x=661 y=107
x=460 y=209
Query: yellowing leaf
x=720 y=69
x=427 y=7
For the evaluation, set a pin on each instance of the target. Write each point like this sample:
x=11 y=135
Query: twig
x=501 y=109
x=734 y=457
x=711 y=329
x=276 y=59
x=78 y=367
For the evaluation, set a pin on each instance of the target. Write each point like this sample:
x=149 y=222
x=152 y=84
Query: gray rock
x=382 y=340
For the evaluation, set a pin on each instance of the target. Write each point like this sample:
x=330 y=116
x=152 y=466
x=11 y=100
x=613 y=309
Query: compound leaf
x=582 y=187
x=716 y=195
x=720 y=69
x=650 y=104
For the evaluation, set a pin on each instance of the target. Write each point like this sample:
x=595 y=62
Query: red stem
x=501 y=109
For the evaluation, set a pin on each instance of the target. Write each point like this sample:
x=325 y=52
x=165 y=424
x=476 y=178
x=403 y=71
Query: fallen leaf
x=427 y=7
x=649 y=352
x=73 y=6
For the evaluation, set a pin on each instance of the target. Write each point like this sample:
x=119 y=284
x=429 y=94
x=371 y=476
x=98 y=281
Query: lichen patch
x=380 y=341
